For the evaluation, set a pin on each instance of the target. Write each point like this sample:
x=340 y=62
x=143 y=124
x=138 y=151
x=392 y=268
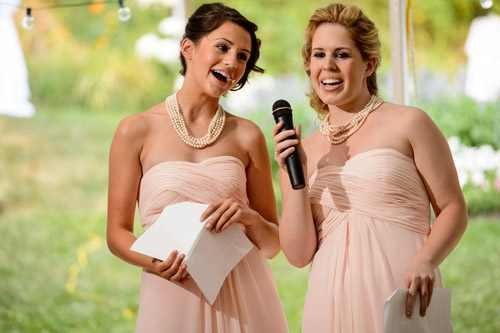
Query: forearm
x=297 y=231
x=119 y=243
x=264 y=235
x=447 y=230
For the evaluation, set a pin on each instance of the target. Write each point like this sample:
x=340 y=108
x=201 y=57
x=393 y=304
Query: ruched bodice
x=248 y=300
x=380 y=183
x=177 y=181
x=372 y=216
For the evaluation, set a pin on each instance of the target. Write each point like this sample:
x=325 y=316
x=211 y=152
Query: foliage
x=87 y=60
x=79 y=57
x=58 y=276
x=475 y=124
x=482 y=200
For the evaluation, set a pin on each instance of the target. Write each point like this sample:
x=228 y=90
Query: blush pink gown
x=248 y=300
x=372 y=215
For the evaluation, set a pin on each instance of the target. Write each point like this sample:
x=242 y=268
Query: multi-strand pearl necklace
x=214 y=129
x=338 y=134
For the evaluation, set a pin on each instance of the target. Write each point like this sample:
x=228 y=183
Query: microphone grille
x=281 y=104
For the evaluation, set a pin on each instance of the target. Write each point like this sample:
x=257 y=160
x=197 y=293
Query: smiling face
x=338 y=71
x=218 y=61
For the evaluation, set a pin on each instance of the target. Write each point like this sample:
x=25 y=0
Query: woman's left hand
x=226 y=212
x=419 y=279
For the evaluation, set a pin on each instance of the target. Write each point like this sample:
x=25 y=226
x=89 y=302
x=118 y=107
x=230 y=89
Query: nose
x=230 y=60
x=330 y=64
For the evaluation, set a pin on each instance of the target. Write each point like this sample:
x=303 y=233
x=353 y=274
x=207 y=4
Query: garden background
x=56 y=273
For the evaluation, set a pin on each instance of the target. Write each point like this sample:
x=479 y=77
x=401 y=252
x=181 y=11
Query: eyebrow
x=336 y=49
x=230 y=42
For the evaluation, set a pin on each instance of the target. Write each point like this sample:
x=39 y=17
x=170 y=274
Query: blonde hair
x=363 y=32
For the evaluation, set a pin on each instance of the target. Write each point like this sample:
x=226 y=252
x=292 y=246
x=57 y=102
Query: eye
x=222 y=47
x=243 y=56
x=319 y=54
x=342 y=55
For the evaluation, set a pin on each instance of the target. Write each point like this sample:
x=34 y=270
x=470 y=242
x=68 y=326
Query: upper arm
x=259 y=180
x=124 y=174
x=434 y=161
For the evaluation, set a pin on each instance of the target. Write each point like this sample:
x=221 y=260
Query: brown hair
x=209 y=17
x=363 y=32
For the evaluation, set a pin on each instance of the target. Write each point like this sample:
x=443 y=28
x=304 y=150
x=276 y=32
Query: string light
x=123 y=12
x=28 y=22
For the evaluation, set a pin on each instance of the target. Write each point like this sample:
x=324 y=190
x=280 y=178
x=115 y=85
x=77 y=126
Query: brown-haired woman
x=373 y=170
x=161 y=157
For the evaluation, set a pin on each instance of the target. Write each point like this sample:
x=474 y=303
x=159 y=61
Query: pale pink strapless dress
x=372 y=215
x=248 y=300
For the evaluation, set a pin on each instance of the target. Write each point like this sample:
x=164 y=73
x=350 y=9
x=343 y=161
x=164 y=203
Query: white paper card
x=209 y=257
x=436 y=319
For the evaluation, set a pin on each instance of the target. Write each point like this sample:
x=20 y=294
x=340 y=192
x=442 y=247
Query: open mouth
x=331 y=82
x=221 y=76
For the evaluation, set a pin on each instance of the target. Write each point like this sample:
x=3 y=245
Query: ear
x=187 y=48
x=370 y=66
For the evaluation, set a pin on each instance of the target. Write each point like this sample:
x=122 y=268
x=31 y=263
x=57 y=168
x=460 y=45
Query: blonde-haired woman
x=373 y=170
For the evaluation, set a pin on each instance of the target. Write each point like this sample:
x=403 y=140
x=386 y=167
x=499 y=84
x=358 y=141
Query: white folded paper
x=436 y=319
x=209 y=257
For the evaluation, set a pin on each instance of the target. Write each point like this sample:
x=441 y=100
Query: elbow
x=299 y=261
x=270 y=253
x=111 y=244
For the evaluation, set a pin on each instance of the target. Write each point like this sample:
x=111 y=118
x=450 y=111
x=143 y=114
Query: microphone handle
x=293 y=164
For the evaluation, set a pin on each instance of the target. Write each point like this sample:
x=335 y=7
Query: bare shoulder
x=407 y=115
x=136 y=126
x=410 y=122
x=311 y=141
x=247 y=131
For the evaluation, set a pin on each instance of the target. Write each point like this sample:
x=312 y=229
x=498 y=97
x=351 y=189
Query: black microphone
x=282 y=112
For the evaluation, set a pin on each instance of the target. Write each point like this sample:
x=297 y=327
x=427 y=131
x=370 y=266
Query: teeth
x=223 y=74
x=331 y=81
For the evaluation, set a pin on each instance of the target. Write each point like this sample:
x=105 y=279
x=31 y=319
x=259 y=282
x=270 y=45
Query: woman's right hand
x=172 y=269
x=283 y=148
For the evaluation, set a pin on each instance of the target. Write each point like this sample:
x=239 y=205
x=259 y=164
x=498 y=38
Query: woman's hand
x=172 y=269
x=419 y=278
x=283 y=148
x=226 y=212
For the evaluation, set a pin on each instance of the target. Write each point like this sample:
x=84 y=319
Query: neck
x=196 y=106
x=341 y=113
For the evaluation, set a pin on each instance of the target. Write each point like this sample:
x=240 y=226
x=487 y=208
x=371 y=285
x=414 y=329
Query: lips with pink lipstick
x=221 y=76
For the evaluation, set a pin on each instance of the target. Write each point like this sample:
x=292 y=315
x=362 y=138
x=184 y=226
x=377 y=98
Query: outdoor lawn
x=57 y=274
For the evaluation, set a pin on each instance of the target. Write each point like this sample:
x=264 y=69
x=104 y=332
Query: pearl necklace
x=338 y=134
x=214 y=129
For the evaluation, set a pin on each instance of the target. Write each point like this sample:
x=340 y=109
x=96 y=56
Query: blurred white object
x=167 y=3
x=165 y=50
x=486 y=4
x=14 y=86
x=473 y=162
x=483 y=49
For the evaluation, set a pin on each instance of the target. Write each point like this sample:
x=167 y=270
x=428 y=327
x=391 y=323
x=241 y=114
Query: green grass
x=57 y=274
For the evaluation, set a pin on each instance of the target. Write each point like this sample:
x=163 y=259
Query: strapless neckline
x=362 y=155
x=209 y=160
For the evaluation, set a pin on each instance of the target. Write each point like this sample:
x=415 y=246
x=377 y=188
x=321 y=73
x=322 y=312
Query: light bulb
x=28 y=20
x=124 y=14
x=486 y=4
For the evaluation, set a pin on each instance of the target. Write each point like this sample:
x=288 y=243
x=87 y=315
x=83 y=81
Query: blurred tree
x=85 y=57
